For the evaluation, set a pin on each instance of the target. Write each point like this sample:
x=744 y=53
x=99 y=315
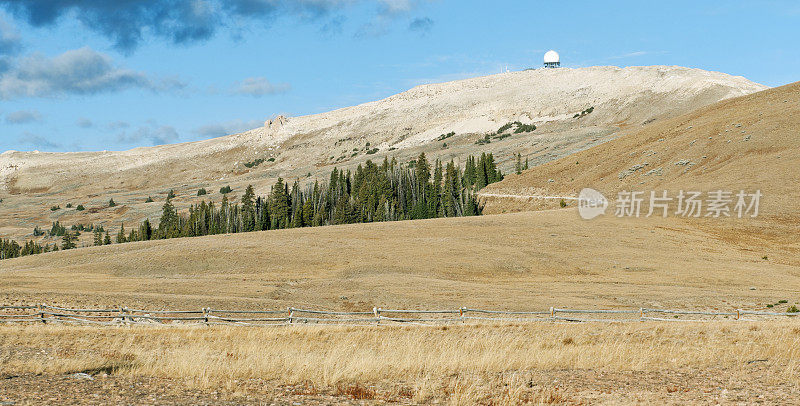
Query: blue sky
x=98 y=74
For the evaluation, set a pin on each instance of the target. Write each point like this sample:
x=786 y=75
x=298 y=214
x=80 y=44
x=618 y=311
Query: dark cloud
x=155 y=134
x=10 y=41
x=126 y=22
x=23 y=117
x=258 y=87
x=79 y=71
x=84 y=122
x=230 y=127
x=37 y=141
x=422 y=25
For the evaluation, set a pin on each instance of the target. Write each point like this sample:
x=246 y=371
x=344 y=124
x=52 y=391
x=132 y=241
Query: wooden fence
x=44 y=314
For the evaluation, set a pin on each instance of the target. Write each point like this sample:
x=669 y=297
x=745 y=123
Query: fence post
x=41 y=313
x=377 y=312
x=461 y=313
x=641 y=314
x=291 y=314
x=552 y=312
x=205 y=314
x=737 y=313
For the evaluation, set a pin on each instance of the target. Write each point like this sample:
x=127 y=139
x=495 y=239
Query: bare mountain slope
x=750 y=143
x=400 y=126
x=631 y=95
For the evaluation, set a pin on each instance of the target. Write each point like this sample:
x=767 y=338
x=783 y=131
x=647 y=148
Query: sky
x=92 y=75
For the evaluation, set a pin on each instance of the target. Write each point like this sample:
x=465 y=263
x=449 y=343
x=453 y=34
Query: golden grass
x=462 y=364
x=747 y=142
x=520 y=261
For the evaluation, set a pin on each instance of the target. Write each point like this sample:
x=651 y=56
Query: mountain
x=573 y=109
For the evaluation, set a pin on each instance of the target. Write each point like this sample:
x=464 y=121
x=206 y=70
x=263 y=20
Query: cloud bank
x=79 y=71
x=126 y=22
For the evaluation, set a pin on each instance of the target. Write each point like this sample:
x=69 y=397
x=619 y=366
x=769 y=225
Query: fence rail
x=44 y=314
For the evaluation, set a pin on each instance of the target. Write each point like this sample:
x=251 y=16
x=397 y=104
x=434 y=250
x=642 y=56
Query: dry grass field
x=511 y=364
x=513 y=261
x=520 y=261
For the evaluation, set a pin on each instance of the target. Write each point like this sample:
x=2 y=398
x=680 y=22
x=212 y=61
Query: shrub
x=584 y=112
x=372 y=151
x=525 y=128
x=69 y=205
x=202 y=191
x=562 y=203
x=254 y=163
x=171 y=194
x=54 y=208
x=483 y=141
x=783 y=301
x=111 y=203
x=506 y=127
x=37 y=231
x=446 y=136
x=225 y=189
x=149 y=200
x=80 y=208
x=792 y=309
x=271 y=160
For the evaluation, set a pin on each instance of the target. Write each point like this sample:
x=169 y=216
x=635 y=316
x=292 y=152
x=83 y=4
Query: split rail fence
x=44 y=314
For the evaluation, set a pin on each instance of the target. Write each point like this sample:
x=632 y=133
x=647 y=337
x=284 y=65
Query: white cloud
x=78 y=71
x=23 y=117
x=258 y=87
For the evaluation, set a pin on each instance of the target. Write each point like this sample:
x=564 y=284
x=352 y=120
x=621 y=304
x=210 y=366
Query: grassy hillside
x=513 y=261
x=751 y=142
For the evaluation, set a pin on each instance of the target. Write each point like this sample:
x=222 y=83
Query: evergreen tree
x=279 y=205
x=121 y=234
x=98 y=237
x=470 y=172
x=248 y=210
x=168 y=226
x=67 y=241
x=481 y=177
x=111 y=203
x=107 y=239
